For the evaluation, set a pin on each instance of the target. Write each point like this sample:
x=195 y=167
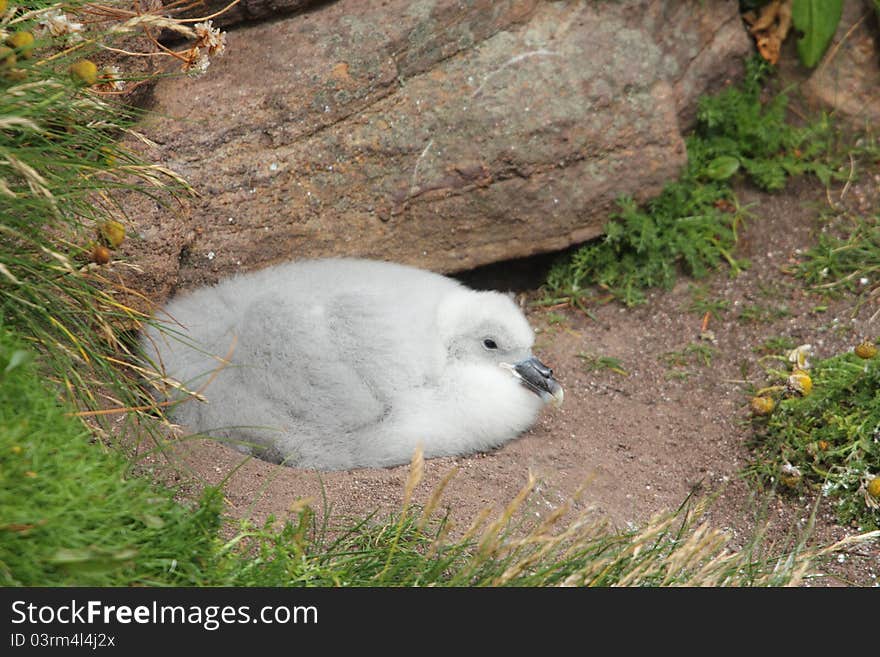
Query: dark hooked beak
x=538 y=378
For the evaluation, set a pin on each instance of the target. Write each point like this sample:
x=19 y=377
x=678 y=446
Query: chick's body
x=342 y=363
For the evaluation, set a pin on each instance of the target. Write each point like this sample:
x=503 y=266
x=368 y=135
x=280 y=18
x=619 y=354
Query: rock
x=246 y=10
x=848 y=77
x=441 y=134
x=703 y=47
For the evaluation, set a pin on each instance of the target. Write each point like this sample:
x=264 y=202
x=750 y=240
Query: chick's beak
x=538 y=378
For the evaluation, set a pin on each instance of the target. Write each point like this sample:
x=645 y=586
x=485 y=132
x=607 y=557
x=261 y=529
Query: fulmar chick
x=340 y=363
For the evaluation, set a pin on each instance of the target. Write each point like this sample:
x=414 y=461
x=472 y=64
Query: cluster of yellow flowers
x=799 y=382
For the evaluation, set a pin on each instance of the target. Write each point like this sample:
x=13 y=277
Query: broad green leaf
x=722 y=168
x=818 y=20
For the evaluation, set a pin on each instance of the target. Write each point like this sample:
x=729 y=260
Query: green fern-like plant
x=692 y=225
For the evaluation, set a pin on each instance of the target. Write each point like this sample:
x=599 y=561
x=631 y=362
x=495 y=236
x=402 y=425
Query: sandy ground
x=632 y=444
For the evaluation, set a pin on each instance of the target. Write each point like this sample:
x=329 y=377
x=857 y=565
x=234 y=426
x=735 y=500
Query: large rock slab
x=443 y=134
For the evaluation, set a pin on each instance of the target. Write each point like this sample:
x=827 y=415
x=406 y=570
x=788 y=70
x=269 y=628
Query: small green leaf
x=92 y=558
x=72 y=555
x=818 y=20
x=19 y=357
x=153 y=522
x=722 y=168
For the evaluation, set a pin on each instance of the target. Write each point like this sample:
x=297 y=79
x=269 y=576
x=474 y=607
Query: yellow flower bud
x=112 y=232
x=762 y=405
x=792 y=481
x=790 y=475
x=7 y=57
x=23 y=42
x=84 y=72
x=866 y=350
x=100 y=254
x=800 y=382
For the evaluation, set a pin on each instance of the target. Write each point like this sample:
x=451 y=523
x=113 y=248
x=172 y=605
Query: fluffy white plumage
x=341 y=363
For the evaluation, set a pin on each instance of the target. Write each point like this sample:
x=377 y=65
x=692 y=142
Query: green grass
x=680 y=363
x=69 y=513
x=757 y=313
x=775 y=345
x=64 y=175
x=594 y=363
x=701 y=303
x=692 y=226
x=848 y=263
x=555 y=318
x=831 y=436
x=695 y=353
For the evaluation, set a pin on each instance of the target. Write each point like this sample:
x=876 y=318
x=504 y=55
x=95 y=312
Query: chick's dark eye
x=489 y=343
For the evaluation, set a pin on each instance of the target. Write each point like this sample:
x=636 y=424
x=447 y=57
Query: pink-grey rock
x=702 y=48
x=848 y=77
x=436 y=133
x=245 y=10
